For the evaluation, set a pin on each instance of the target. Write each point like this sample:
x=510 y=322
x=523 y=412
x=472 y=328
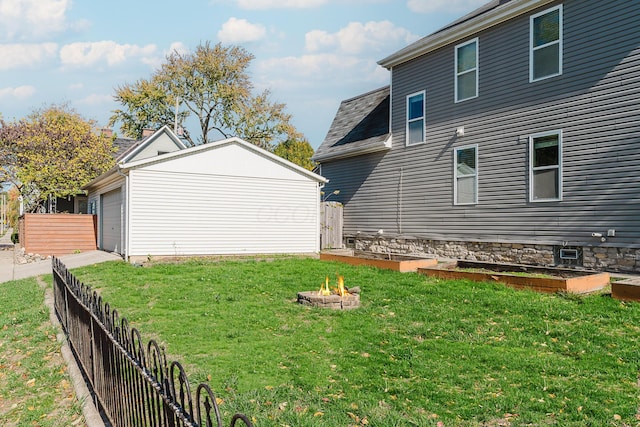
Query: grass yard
x=35 y=389
x=418 y=352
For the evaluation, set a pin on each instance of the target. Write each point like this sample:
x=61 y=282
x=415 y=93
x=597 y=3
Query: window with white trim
x=545 y=57
x=545 y=171
x=415 y=118
x=465 y=167
x=466 y=70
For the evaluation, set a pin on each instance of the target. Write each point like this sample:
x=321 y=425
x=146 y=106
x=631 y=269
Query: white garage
x=223 y=198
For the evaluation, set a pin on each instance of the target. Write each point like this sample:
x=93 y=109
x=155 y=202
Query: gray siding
x=408 y=191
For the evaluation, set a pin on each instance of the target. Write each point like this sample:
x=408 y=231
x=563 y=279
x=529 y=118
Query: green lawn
x=419 y=351
x=35 y=389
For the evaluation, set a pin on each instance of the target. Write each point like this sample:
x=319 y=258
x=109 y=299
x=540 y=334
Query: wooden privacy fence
x=57 y=234
x=331 y=224
x=131 y=385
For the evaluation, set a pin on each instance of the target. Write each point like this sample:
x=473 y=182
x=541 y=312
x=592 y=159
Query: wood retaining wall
x=58 y=234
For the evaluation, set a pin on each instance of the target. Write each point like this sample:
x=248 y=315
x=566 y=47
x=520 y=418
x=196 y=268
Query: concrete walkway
x=9 y=270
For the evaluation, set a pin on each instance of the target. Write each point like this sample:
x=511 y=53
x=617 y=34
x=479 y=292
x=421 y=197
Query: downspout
x=400 y=200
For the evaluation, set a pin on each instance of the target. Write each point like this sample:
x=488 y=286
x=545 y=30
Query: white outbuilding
x=228 y=197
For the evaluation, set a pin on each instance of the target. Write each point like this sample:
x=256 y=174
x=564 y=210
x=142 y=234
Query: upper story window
x=465 y=167
x=415 y=118
x=466 y=70
x=545 y=172
x=545 y=58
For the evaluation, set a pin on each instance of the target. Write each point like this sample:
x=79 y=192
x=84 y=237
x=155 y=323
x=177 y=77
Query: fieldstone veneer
x=596 y=258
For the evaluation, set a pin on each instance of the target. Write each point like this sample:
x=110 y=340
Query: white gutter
x=357 y=151
x=465 y=29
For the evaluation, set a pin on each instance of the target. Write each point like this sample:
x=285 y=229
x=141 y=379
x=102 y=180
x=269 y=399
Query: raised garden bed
x=397 y=262
x=626 y=290
x=541 y=279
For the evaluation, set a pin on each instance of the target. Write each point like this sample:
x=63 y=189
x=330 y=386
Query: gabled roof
x=123 y=168
x=487 y=16
x=360 y=126
x=138 y=147
x=123 y=146
x=217 y=144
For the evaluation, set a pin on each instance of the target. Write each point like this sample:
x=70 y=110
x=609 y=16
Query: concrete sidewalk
x=9 y=270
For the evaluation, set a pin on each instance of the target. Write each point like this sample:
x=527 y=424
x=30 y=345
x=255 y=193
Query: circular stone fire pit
x=336 y=302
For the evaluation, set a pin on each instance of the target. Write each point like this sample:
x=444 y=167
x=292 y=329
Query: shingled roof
x=360 y=126
x=123 y=146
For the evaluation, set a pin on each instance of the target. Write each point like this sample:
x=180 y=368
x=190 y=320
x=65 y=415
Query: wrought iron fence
x=131 y=385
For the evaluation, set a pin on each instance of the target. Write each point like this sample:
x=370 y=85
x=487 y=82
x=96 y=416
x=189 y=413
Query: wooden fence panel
x=331 y=222
x=58 y=234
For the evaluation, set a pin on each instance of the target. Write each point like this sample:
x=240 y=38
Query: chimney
x=147 y=132
x=107 y=132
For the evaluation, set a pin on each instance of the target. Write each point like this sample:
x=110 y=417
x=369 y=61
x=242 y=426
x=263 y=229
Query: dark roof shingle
x=361 y=125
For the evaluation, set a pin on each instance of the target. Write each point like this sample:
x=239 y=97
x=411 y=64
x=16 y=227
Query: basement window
x=568 y=256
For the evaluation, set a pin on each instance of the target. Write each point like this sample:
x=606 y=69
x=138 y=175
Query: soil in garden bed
x=542 y=279
x=517 y=269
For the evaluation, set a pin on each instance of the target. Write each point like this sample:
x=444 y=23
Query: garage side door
x=110 y=221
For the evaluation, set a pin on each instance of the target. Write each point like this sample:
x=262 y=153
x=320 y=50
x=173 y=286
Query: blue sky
x=310 y=54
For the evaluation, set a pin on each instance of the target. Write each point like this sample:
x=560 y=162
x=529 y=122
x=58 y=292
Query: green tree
x=211 y=84
x=54 y=151
x=146 y=105
x=297 y=151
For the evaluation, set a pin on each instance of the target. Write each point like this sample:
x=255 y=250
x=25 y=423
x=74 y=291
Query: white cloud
x=28 y=19
x=25 y=55
x=322 y=70
x=179 y=47
x=76 y=86
x=426 y=6
x=308 y=65
x=20 y=92
x=156 y=59
x=357 y=38
x=280 y=4
x=85 y=54
x=240 y=31
x=96 y=99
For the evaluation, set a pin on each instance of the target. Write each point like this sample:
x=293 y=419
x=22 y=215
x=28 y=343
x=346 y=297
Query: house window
x=546 y=167
x=415 y=118
x=466 y=69
x=545 y=57
x=465 y=166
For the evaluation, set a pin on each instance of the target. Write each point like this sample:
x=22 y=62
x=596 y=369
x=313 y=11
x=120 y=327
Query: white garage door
x=111 y=218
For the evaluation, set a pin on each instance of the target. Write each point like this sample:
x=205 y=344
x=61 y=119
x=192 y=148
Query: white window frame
x=559 y=42
x=456 y=176
x=456 y=74
x=532 y=169
x=423 y=118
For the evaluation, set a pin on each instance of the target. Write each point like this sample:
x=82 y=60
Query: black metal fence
x=131 y=385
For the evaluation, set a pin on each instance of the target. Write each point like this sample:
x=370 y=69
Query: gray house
x=511 y=135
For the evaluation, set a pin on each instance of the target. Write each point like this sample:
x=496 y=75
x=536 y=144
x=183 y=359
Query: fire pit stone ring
x=335 y=302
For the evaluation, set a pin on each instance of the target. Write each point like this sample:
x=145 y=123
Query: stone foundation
x=624 y=260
